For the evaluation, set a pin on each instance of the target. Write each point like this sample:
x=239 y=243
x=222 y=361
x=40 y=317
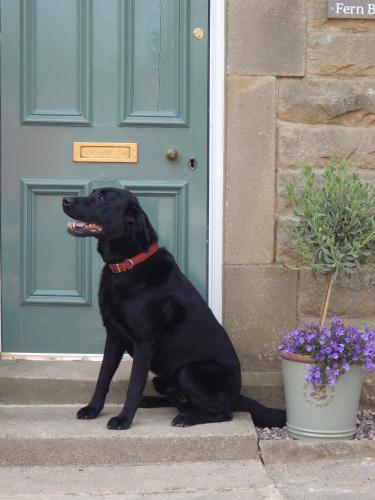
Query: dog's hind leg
x=168 y=388
x=164 y=386
x=203 y=385
x=189 y=418
x=112 y=356
x=155 y=402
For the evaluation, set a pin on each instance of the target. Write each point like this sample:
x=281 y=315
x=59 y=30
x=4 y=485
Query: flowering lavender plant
x=335 y=349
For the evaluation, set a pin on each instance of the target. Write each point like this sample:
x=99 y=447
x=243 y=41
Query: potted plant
x=333 y=231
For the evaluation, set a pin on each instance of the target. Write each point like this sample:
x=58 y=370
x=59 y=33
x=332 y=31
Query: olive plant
x=333 y=229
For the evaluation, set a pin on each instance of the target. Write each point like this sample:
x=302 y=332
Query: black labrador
x=152 y=311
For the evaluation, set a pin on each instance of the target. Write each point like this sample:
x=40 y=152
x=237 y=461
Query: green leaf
x=334 y=219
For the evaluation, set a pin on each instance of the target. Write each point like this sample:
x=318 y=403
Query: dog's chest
x=124 y=309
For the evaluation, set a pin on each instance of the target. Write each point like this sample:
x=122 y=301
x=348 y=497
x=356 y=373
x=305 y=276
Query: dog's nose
x=67 y=201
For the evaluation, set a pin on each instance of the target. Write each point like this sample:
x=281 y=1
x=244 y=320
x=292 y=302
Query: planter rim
x=299 y=358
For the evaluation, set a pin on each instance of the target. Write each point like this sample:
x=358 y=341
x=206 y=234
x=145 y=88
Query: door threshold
x=15 y=356
x=50 y=356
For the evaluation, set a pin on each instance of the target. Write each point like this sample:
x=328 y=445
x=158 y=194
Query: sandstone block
x=357 y=322
x=341 y=54
x=285 y=252
x=283 y=205
x=250 y=170
x=300 y=144
x=344 y=102
x=260 y=306
x=317 y=20
x=266 y=37
x=351 y=298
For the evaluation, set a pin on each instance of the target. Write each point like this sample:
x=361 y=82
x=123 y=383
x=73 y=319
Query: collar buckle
x=127 y=264
x=131 y=262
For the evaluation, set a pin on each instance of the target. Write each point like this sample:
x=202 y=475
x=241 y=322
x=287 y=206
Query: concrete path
x=200 y=479
x=233 y=480
x=325 y=480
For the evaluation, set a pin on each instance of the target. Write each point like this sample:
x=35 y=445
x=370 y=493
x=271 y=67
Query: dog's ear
x=140 y=223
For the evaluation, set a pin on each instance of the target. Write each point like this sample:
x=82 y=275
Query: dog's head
x=109 y=214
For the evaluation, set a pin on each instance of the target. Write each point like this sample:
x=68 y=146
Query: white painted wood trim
x=216 y=156
x=215 y=176
x=34 y=356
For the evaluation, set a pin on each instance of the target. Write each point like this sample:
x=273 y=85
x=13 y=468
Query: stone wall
x=300 y=88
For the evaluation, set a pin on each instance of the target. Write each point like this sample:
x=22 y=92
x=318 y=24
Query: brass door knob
x=171 y=154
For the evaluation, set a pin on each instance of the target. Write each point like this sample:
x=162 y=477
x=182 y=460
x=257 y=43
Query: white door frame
x=215 y=175
x=216 y=156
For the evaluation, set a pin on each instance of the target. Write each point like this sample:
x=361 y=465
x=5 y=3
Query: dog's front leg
x=142 y=356
x=112 y=356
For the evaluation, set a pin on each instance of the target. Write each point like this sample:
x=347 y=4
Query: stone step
x=70 y=382
x=59 y=382
x=51 y=435
x=224 y=480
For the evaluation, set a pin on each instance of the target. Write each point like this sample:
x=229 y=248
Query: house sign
x=351 y=9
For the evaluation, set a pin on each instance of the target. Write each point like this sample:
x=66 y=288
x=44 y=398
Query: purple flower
x=335 y=349
x=345 y=365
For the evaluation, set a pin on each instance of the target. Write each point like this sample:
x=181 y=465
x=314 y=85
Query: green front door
x=94 y=71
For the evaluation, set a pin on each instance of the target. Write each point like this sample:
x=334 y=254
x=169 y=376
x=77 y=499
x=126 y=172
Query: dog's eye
x=101 y=197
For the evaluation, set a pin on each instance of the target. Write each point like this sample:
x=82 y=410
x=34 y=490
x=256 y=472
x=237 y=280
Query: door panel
x=167 y=208
x=44 y=246
x=56 y=43
x=155 y=62
x=126 y=71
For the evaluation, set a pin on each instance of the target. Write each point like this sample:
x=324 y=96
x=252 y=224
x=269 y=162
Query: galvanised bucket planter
x=319 y=414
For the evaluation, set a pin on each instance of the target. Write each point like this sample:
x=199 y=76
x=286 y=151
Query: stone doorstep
x=68 y=382
x=59 y=382
x=51 y=435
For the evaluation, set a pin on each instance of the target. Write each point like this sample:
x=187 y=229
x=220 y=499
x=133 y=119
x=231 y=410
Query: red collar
x=122 y=267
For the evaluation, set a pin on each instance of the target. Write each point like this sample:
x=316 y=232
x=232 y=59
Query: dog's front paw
x=118 y=423
x=88 y=412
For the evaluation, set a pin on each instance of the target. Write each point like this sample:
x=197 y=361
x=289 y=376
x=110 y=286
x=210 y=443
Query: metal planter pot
x=326 y=414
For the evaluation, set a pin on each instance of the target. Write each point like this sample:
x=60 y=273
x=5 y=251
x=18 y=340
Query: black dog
x=155 y=314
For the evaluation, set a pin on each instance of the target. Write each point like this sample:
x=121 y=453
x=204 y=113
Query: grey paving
x=197 y=480
x=325 y=480
x=222 y=480
x=266 y=493
x=51 y=435
x=293 y=451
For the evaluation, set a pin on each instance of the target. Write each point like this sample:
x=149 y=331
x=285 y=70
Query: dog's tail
x=261 y=415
